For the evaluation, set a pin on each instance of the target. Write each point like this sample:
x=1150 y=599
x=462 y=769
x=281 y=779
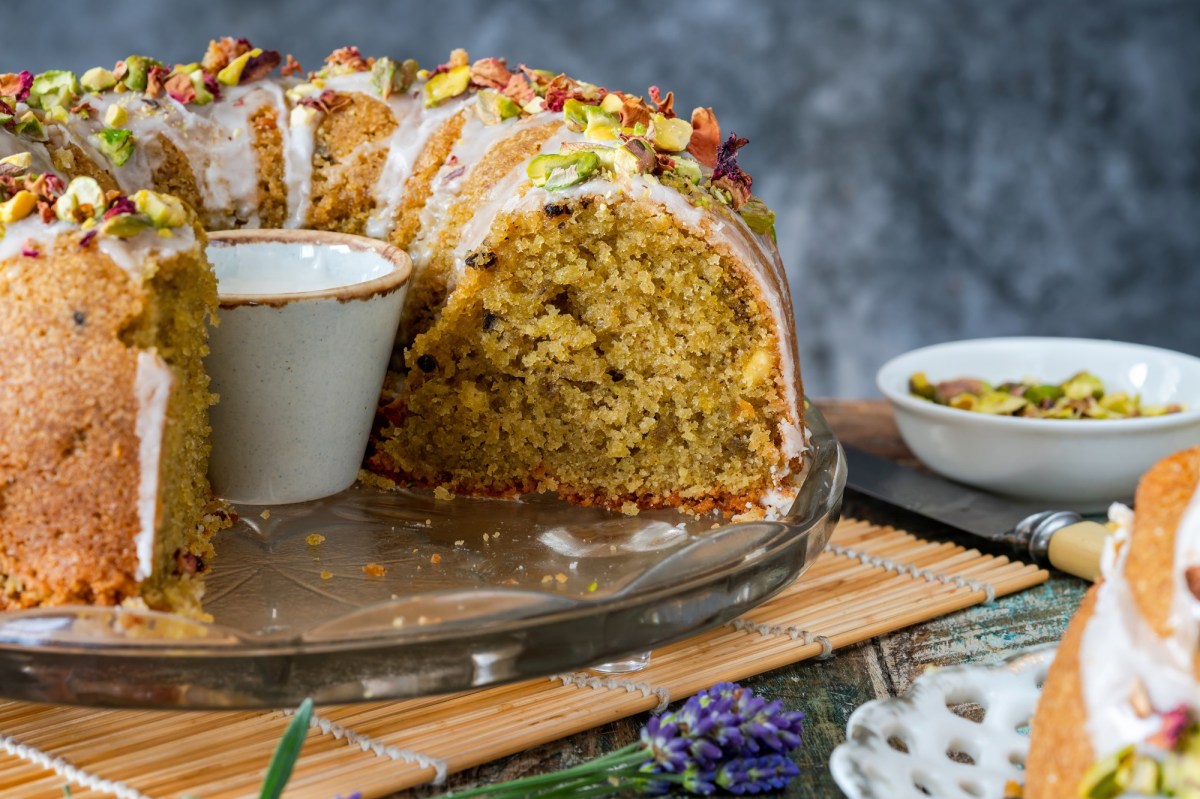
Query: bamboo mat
x=870 y=580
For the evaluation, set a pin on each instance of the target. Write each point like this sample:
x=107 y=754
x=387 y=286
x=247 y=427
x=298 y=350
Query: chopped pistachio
x=115 y=144
x=137 y=69
x=669 y=134
x=97 y=79
x=559 y=171
x=574 y=114
x=231 y=73
x=116 y=116
x=19 y=206
x=83 y=198
x=58 y=114
x=19 y=160
x=57 y=88
x=302 y=90
x=302 y=116
x=1000 y=403
x=203 y=95
x=612 y=104
x=388 y=77
x=163 y=210
x=124 y=226
x=690 y=170
x=919 y=385
x=757 y=216
x=1043 y=392
x=493 y=107
x=444 y=85
x=1082 y=386
x=29 y=126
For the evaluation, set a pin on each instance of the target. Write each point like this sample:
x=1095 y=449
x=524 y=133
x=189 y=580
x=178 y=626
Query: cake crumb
x=435 y=558
x=630 y=508
x=326 y=575
x=560 y=578
x=374 y=570
x=547 y=579
x=442 y=494
x=266 y=514
x=486 y=537
x=459 y=542
x=314 y=539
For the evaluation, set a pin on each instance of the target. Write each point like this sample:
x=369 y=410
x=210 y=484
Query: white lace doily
x=958 y=733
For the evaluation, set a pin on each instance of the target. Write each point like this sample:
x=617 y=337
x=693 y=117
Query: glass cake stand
x=373 y=595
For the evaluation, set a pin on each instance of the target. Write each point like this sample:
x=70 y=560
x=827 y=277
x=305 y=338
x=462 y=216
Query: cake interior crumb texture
x=69 y=448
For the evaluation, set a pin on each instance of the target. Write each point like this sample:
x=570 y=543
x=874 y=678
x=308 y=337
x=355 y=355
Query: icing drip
x=414 y=130
x=152 y=389
x=297 y=165
x=133 y=254
x=1119 y=647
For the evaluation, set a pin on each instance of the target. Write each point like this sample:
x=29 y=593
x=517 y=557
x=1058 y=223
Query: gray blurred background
x=940 y=169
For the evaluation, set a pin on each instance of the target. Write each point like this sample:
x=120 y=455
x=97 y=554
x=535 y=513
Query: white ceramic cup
x=307 y=322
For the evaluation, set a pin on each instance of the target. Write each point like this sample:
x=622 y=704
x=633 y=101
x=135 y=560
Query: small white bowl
x=1074 y=464
x=307 y=322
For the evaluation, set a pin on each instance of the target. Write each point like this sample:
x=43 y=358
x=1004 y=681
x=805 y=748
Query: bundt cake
x=597 y=306
x=1118 y=713
x=104 y=301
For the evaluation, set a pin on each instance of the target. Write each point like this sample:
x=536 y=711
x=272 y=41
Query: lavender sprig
x=725 y=738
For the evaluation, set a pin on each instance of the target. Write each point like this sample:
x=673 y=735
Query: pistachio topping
x=1081 y=396
x=115 y=144
x=54 y=89
x=97 y=79
x=82 y=200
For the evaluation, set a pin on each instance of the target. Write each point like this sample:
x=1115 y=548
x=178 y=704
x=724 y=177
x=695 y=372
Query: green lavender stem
x=585 y=774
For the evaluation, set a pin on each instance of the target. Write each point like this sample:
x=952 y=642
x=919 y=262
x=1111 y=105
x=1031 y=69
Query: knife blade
x=1059 y=538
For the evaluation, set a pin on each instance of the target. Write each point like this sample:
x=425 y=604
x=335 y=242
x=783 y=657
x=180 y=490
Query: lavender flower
x=724 y=738
x=753 y=775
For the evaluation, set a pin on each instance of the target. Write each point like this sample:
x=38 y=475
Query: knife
x=1059 y=538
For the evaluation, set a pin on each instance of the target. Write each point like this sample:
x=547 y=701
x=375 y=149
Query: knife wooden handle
x=1076 y=549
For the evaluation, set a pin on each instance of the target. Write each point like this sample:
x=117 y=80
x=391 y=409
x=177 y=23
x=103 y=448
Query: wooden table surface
x=828 y=691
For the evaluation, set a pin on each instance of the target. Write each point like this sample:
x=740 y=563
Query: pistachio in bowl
x=1080 y=396
x=1123 y=407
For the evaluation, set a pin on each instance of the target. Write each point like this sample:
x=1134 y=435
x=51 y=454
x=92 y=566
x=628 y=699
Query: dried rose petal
x=349 y=57
x=221 y=53
x=260 y=66
x=156 y=78
x=210 y=83
x=30 y=250
x=180 y=88
x=290 y=66
x=706 y=137
x=490 y=73
x=5 y=108
x=728 y=175
x=87 y=238
x=16 y=84
x=1174 y=724
x=664 y=105
x=119 y=206
x=518 y=89
x=326 y=102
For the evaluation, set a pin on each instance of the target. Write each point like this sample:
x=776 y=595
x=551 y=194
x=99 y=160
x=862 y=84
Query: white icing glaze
x=30 y=232
x=297 y=165
x=12 y=144
x=1120 y=648
x=152 y=389
x=133 y=254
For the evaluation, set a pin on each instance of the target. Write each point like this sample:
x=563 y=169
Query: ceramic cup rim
x=365 y=290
